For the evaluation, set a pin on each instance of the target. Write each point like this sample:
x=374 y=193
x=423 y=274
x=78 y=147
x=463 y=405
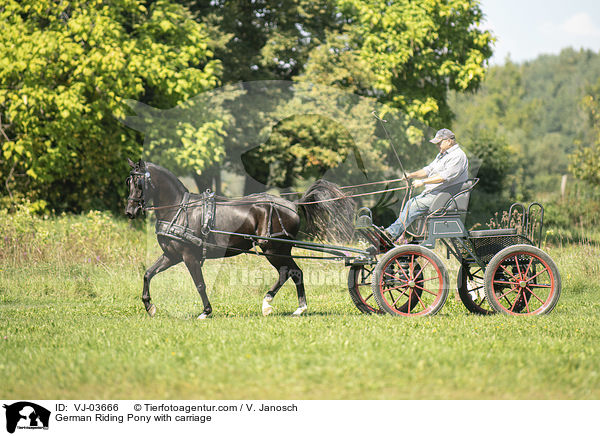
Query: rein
x=237 y=202
x=355 y=195
x=351 y=186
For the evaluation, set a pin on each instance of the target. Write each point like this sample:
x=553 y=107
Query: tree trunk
x=210 y=178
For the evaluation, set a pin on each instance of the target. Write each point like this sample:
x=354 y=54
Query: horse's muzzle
x=132 y=212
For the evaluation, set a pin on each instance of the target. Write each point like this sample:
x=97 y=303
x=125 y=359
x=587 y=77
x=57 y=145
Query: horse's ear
x=131 y=163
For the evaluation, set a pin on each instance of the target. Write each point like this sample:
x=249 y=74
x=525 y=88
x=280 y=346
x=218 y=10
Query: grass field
x=72 y=326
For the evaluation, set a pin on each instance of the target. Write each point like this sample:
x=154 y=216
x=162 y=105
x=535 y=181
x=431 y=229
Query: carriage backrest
x=454 y=199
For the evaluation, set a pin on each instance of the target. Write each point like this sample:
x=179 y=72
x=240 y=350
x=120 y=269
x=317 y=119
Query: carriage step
x=379 y=239
x=384 y=236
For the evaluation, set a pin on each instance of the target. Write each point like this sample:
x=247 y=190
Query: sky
x=527 y=28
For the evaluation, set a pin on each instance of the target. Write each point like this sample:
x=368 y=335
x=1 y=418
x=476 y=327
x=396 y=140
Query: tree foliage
x=534 y=109
x=407 y=55
x=64 y=73
x=585 y=160
x=257 y=41
x=265 y=39
x=418 y=51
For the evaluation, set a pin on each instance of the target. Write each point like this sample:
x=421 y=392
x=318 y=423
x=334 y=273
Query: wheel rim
x=523 y=284
x=411 y=284
x=364 y=290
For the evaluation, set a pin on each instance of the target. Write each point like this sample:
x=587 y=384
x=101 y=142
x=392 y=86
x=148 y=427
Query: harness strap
x=181 y=232
x=182 y=207
x=208 y=211
x=283 y=230
x=178 y=232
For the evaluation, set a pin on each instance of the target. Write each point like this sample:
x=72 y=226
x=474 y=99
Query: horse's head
x=139 y=185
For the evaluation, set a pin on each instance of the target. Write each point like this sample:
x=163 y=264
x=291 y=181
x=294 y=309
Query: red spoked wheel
x=359 y=287
x=522 y=280
x=410 y=281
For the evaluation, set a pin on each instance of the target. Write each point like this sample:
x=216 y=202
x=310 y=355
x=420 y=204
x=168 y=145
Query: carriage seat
x=454 y=200
x=446 y=215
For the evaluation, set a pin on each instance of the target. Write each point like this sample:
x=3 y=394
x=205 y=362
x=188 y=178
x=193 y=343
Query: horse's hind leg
x=194 y=266
x=286 y=267
x=296 y=274
x=160 y=265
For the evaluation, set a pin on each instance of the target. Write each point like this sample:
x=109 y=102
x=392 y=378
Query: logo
x=26 y=415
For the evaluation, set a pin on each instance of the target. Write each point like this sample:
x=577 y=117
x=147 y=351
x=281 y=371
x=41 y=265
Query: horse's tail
x=328 y=211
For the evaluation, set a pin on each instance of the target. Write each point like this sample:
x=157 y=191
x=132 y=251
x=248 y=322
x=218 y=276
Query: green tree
x=418 y=51
x=256 y=41
x=406 y=55
x=534 y=109
x=265 y=39
x=585 y=160
x=65 y=70
x=494 y=124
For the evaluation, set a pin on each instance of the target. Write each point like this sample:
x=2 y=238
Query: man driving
x=449 y=168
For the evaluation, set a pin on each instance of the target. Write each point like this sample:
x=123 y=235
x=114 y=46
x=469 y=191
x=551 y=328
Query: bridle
x=143 y=182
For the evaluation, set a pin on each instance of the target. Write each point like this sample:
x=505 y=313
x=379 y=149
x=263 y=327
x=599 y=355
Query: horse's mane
x=168 y=174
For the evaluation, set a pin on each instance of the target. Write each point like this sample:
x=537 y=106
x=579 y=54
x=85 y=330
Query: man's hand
x=418 y=183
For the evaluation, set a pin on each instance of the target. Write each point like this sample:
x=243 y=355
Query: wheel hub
x=411 y=284
x=522 y=283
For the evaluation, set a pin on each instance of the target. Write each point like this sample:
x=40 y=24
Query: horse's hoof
x=203 y=316
x=300 y=311
x=151 y=310
x=267 y=309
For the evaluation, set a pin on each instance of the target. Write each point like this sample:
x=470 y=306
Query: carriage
x=501 y=270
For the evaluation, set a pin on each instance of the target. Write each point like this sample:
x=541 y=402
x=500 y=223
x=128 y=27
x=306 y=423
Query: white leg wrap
x=300 y=310
x=203 y=316
x=267 y=309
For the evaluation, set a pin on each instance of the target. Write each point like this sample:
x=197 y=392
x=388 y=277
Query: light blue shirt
x=452 y=166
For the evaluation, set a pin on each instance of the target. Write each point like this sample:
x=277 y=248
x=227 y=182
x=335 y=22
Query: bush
x=96 y=237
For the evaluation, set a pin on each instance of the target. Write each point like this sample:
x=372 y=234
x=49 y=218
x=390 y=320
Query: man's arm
x=428 y=180
x=422 y=174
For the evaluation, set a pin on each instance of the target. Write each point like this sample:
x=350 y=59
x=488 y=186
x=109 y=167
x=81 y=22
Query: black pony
x=192 y=227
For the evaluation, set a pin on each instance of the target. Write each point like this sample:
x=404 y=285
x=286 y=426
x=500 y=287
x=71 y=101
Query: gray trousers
x=415 y=208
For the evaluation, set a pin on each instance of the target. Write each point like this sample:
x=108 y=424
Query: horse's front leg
x=160 y=265
x=194 y=266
